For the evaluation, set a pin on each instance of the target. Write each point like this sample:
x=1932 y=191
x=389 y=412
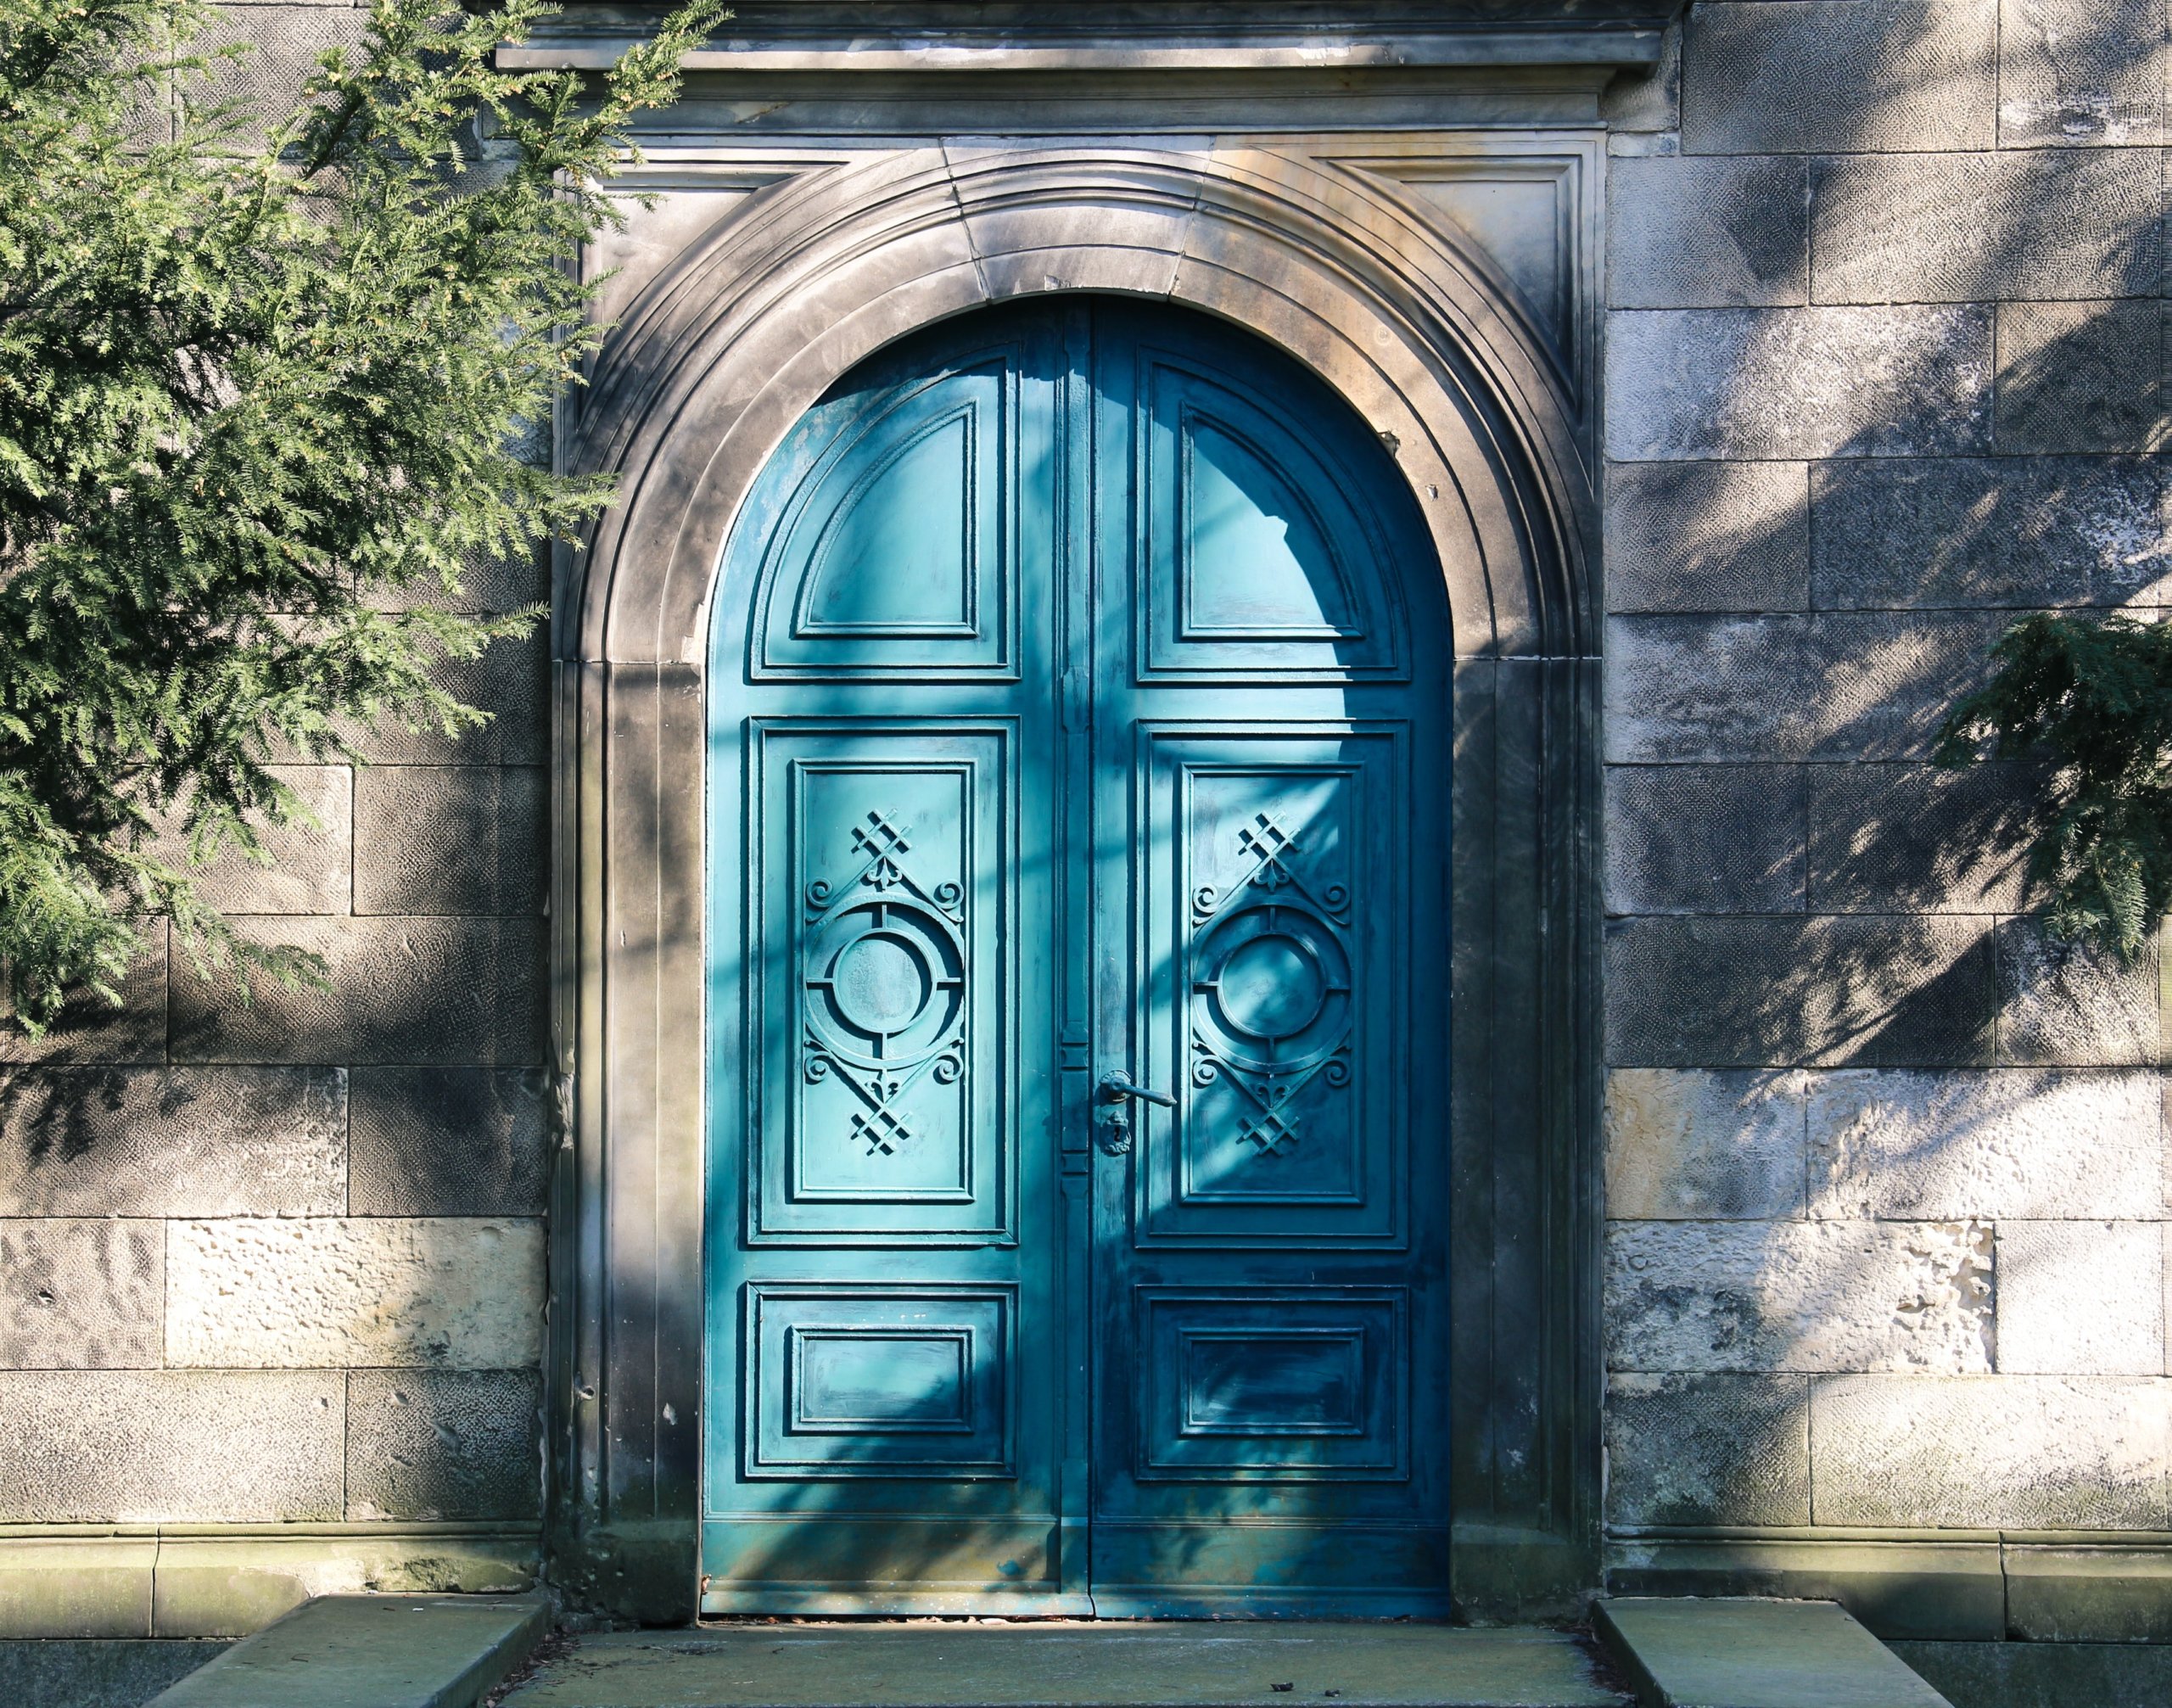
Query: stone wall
x=1885 y=1167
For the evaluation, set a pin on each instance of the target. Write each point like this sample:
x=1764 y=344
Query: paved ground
x=1058 y=1665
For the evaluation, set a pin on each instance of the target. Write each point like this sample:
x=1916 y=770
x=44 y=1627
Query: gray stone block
x=1694 y=231
x=1819 y=76
x=2081 y=1298
x=1646 y=101
x=1682 y=1143
x=2044 y=1675
x=266 y=82
x=171 y=1447
x=1914 y=838
x=1829 y=685
x=1987 y=532
x=173 y=1141
x=450 y=1141
x=2020 y=223
x=444 y=1444
x=510 y=679
x=490 y=582
x=1705 y=838
x=402 y=989
x=2082 y=376
x=1708 y=1449
x=1772 y=991
x=451 y=839
x=311 y=868
x=2073 y=1004
x=91 y=1029
x=1707 y=537
x=106 y=1672
x=81 y=1294
x=2081 y=72
x=1778 y=383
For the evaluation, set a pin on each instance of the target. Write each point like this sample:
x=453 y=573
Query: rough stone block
x=1708 y=536
x=1776 y=992
x=2085 y=1594
x=492 y=583
x=1700 y=233
x=80 y=1295
x=90 y=1029
x=1797 y=1296
x=2073 y=1004
x=2011 y=1142
x=2026 y=1453
x=510 y=681
x=2081 y=377
x=2081 y=72
x=285 y=41
x=1687 y=1145
x=1637 y=103
x=459 y=1293
x=72 y=1586
x=2081 y=1298
x=1988 y=532
x=170 y=1447
x=1818 y=76
x=2022 y=223
x=173 y=1141
x=1708 y=1449
x=442 y=1444
x=312 y=867
x=449 y=1141
x=1705 y=838
x=1911 y=838
x=450 y=839
x=1775 y=382
x=402 y=989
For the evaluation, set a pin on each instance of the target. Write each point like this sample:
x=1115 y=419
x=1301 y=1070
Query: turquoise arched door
x=1077 y=1102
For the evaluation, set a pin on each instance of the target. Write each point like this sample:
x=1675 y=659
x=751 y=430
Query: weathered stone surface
x=1705 y=838
x=2081 y=1298
x=1820 y=76
x=1700 y=233
x=459 y=1293
x=491 y=583
x=80 y=1295
x=2092 y=1593
x=2073 y=1004
x=89 y=1029
x=1987 y=531
x=2081 y=376
x=1775 y=992
x=2032 y=223
x=450 y=839
x=1708 y=1449
x=1913 y=839
x=264 y=84
x=510 y=681
x=402 y=990
x=2044 y=1675
x=1708 y=536
x=173 y=1141
x=175 y=1447
x=1638 y=102
x=2081 y=72
x=1687 y=1145
x=1798 y=1296
x=432 y=1444
x=1842 y=685
x=450 y=1141
x=312 y=867
x=2027 y=1452
x=2044 y=1142
x=1690 y=383
x=230 y=1585
x=99 y=1673
x=63 y=1583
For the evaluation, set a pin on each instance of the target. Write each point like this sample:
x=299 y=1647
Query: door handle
x=1117 y=1086
x=1116 y=1122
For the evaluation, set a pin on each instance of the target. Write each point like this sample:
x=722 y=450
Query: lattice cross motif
x=1270 y=1130
x=882 y=1129
x=1273 y=847
x=883 y=844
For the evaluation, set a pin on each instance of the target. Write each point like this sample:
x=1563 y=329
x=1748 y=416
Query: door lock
x=1116 y=1089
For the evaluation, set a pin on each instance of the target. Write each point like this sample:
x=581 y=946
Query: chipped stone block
x=170 y=1447
x=1701 y=233
x=1797 y=1296
x=80 y=1295
x=2009 y=1142
x=91 y=1029
x=1707 y=537
x=2035 y=1452
x=1690 y=1145
x=173 y=1141
x=1915 y=839
x=444 y=1444
x=459 y=1293
x=1705 y=838
x=1708 y=1449
x=450 y=1141
x=2073 y=1004
x=450 y=839
x=2080 y=73
x=311 y=867
x=2081 y=1298
x=2082 y=376
x=1684 y=384
x=1639 y=104
x=510 y=679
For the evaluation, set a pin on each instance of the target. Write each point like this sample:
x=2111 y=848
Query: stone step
x=1750 y=1653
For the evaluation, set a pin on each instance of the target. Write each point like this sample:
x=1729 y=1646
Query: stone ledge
x=1754 y=1654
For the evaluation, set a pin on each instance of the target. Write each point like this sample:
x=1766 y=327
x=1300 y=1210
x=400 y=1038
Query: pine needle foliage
x=2092 y=698
x=249 y=388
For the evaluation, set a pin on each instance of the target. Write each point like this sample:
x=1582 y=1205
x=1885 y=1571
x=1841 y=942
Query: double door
x=1078 y=998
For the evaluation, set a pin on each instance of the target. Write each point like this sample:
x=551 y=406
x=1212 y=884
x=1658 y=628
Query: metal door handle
x=1117 y=1086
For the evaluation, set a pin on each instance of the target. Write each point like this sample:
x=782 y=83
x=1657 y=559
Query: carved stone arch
x=720 y=356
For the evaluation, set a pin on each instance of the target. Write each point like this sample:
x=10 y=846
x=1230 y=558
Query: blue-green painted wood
x=1079 y=712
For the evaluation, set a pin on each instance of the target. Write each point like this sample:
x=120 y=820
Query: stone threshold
x=1754 y=1654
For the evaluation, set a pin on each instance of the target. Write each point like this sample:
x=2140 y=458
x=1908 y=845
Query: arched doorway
x=1080 y=739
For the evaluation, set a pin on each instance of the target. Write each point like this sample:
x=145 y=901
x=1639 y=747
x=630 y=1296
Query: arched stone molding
x=719 y=357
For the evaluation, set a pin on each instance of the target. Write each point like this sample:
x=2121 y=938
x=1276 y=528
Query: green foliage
x=2092 y=696
x=250 y=390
